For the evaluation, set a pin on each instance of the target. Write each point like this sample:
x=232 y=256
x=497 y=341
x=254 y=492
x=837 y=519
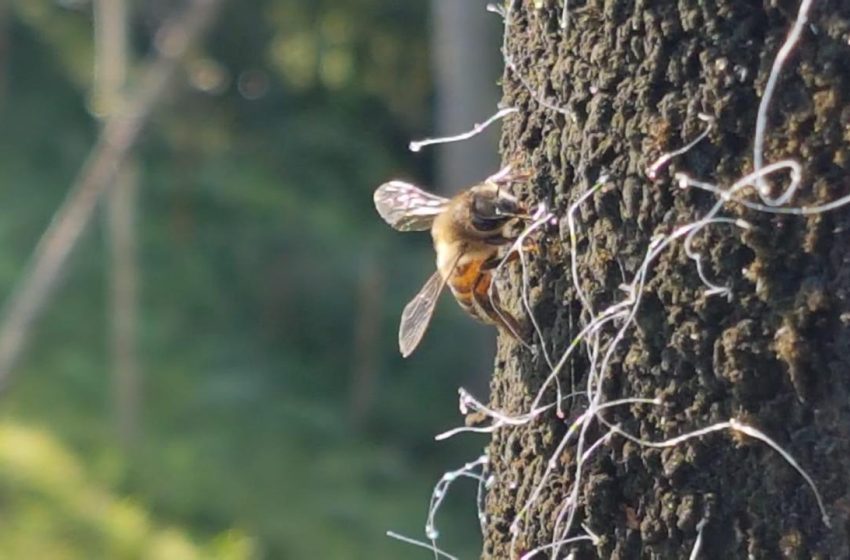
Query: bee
x=470 y=232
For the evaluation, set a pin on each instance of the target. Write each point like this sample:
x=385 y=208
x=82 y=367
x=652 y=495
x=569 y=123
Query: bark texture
x=776 y=354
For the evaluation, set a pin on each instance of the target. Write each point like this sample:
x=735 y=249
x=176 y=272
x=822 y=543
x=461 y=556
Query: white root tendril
x=474 y=470
x=698 y=542
x=565 y=15
x=661 y=162
x=767 y=96
x=477 y=129
x=428 y=546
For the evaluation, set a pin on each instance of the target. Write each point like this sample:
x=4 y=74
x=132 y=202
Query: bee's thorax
x=455 y=244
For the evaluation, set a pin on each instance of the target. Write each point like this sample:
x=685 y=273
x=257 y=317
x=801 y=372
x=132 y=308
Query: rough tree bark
x=776 y=354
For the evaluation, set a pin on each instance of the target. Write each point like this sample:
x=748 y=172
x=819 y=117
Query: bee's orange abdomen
x=468 y=284
x=462 y=282
x=464 y=277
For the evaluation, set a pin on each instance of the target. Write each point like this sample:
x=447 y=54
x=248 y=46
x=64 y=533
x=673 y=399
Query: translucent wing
x=417 y=314
x=406 y=207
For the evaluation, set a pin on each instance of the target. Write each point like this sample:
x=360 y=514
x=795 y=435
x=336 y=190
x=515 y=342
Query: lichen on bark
x=633 y=76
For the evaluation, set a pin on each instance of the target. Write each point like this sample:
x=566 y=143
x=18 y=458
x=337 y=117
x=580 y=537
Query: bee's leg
x=486 y=302
x=486 y=298
x=497 y=240
x=530 y=245
x=493 y=262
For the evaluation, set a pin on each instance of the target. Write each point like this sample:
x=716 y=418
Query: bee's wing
x=417 y=314
x=406 y=207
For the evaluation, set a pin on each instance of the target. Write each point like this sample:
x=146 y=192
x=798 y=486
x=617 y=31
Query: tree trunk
x=466 y=71
x=771 y=352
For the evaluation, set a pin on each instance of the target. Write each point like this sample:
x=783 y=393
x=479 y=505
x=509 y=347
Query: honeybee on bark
x=471 y=232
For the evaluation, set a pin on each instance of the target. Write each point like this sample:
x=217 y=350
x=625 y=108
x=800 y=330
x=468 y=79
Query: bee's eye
x=487 y=213
x=484 y=208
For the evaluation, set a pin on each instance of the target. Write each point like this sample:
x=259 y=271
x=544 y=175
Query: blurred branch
x=123 y=273
x=367 y=326
x=111 y=56
x=112 y=66
x=5 y=44
x=120 y=132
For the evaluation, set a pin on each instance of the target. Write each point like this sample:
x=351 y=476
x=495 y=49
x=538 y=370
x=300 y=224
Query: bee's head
x=491 y=207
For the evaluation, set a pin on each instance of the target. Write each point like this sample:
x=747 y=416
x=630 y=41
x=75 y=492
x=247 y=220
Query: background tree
x=630 y=80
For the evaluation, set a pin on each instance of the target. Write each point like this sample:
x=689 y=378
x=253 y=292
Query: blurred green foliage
x=55 y=511
x=257 y=234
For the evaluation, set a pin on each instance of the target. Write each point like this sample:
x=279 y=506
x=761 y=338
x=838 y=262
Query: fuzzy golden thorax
x=474 y=226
